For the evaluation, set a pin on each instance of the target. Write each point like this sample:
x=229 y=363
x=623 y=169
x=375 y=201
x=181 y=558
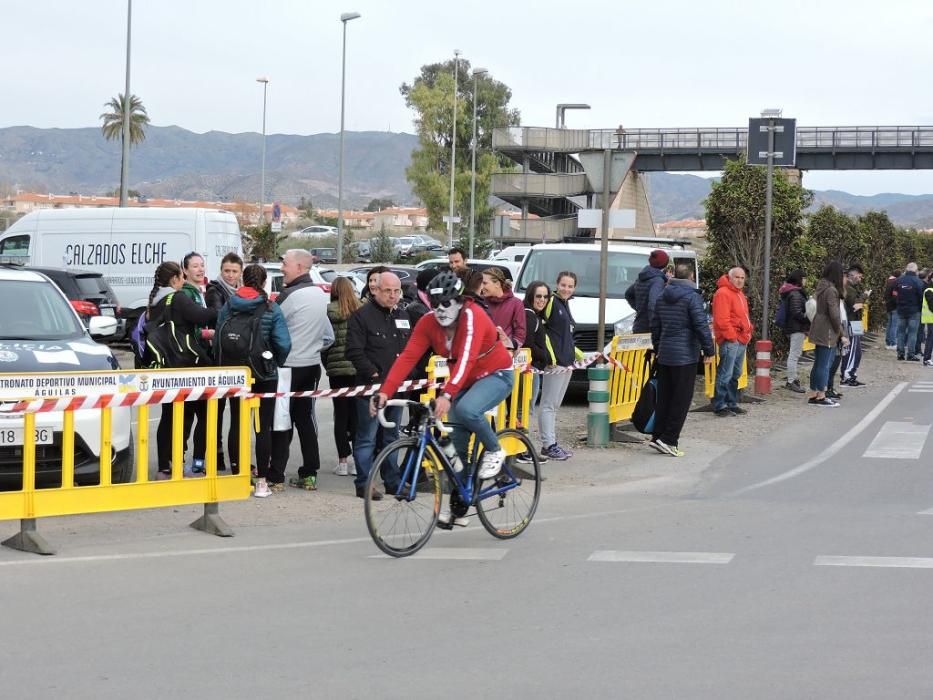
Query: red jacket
x=474 y=353
x=508 y=312
x=730 y=314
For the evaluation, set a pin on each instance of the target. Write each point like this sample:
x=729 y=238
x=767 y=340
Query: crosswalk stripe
x=898 y=440
x=921 y=391
x=662 y=557
x=883 y=562
x=454 y=553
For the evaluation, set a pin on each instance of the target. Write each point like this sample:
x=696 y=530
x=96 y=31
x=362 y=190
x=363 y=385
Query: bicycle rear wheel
x=401 y=524
x=508 y=501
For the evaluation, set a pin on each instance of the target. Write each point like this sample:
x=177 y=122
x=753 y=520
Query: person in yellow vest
x=926 y=318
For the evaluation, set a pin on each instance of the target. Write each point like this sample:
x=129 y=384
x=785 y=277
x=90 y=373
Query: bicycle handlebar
x=402 y=403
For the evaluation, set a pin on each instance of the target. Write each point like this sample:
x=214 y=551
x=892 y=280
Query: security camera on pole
x=772 y=141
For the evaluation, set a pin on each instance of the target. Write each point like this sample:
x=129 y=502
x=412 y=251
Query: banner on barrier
x=639 y=341
x=105 y=383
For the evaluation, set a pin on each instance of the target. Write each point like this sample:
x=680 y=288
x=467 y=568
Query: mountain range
x=176 y=163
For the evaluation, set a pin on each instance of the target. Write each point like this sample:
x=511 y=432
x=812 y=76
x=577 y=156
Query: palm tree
x=113 y=120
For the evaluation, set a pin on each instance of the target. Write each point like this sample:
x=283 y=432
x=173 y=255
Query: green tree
x=431 y=96
x=735 y=220
x=132 y=194
x=306 y=207
x=381 y=249
x=261 y=243
x=112 y=127
x=379 y=204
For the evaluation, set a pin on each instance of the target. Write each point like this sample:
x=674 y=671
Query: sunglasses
x=541 y=296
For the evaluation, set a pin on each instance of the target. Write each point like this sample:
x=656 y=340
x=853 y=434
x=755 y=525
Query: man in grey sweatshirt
x=305 y=308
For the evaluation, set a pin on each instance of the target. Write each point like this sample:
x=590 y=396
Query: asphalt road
x=797 y=568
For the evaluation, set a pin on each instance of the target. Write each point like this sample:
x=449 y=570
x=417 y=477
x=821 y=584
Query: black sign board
x=785 y=141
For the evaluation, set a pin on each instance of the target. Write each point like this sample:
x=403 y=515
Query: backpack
x=138 y=339
x=780 y=316
x=166 y=347
x=240 y=342
x=644 y=411
x=811 y=308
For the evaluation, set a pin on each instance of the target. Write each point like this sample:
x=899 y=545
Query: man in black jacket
x=796 y=324
x=377 y=333
x=679 y=332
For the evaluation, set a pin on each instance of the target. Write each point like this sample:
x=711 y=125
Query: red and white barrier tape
x=147 y=398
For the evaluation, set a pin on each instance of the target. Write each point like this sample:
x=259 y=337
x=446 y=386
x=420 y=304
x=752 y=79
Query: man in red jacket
x=732 y=329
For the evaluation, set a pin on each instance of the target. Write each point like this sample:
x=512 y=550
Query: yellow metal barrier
x=508 y=414
x=709 y=372
x=58 y=427
x=625 y=385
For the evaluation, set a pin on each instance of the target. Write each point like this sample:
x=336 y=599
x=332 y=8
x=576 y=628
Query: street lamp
x=476 y=72
x=262 y=179
x=125 y=156
x=453 y=153
x=563 y=107
x=344 y=18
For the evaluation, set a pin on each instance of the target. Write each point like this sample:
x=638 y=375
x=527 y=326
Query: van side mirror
x=102 y=326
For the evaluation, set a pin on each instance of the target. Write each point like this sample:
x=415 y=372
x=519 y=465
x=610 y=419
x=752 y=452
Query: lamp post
x=476 y=72
x=344 y=18
x=563 y=107
x=262 y=178
x=125 y=156
x=453 y=152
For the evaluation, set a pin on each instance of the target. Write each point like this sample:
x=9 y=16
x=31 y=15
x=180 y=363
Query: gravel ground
x=621 y=467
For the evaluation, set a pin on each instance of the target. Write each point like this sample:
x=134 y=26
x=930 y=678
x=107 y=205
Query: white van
x=626 y=260
x=125 y=245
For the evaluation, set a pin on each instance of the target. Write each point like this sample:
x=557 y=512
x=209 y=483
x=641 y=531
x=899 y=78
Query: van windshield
x=545 y=264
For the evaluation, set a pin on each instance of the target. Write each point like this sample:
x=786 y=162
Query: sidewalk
x=620 y=468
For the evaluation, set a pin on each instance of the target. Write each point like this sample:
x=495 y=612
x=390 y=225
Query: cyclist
x=481 y=373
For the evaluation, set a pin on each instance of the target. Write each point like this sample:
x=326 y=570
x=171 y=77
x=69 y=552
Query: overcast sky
x=638 y=63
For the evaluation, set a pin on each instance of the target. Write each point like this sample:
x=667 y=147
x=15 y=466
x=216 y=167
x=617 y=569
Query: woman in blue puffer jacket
x=275 y=332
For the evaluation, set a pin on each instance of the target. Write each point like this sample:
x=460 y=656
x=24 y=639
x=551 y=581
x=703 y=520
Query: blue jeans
x=469 y=408
x=907 y=334
x=731 y=362
x=364 y=446
x=822 y=361
x=890 y=335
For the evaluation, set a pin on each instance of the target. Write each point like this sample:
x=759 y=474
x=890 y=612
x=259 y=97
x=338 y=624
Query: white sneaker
x=352 y=471
x=341 y=469
x=261 y=489
x=491 y=464
x=444 y=518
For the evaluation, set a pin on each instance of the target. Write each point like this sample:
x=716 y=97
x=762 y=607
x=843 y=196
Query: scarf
x=228 y=288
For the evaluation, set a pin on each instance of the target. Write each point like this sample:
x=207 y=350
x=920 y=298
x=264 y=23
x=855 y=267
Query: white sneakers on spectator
x=341 y=469
x=261 y=489
x=491 y=463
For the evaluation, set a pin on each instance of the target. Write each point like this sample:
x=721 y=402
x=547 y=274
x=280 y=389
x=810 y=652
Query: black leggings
x=344 y=416
x=302 y=415
x=265 y=467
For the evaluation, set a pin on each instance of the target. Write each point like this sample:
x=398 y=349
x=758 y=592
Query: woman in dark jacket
x=275 y=332
x=165 y=302
x=562 y=353
x=826 y=332
x=796 y=324
x=340 y=371
x=536 y=299
x=218 y=293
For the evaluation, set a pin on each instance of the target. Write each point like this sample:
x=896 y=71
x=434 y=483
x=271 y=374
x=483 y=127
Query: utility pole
x=125 y=158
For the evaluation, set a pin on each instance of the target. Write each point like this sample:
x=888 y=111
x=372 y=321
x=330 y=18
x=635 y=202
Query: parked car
x=325 y=255
x=316 y=231
x=41 y=332
x=275 y=281
x=89 y=294
x=362 y=250
x=423 y=244
x=476 y=264
x=515 y=254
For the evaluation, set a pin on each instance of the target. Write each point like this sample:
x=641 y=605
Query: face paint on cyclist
x=448 y=312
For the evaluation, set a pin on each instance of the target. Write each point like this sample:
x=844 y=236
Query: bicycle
x=403 y=522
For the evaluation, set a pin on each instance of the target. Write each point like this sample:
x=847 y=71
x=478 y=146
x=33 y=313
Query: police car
x=40 y=332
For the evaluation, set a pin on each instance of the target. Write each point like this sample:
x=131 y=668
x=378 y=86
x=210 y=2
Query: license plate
x=14 y=436
x=106 y=311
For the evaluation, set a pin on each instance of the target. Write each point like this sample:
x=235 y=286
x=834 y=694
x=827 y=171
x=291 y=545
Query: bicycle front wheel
x=507 y=502
x=402 y=522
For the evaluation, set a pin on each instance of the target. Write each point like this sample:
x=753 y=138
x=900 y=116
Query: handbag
x=644 y=412
x=281 y=418
x=856 y=328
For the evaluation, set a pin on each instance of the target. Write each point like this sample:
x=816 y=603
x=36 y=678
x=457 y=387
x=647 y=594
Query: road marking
x=452 y=554
x=832 y=449
x=920 y=391
x=898 y=440
x=883 y=562
x=662 y=557
x=181 y=553
x=928 y=511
